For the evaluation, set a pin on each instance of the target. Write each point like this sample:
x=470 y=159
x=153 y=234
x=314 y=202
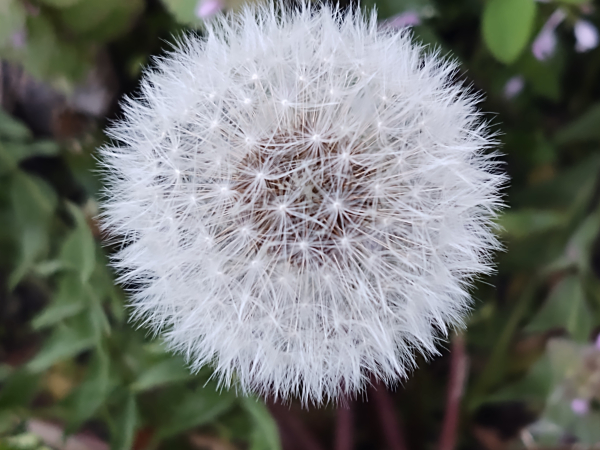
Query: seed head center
x=305 y=199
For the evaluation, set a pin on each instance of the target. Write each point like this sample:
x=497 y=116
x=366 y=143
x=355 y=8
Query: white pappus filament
x=303 y=200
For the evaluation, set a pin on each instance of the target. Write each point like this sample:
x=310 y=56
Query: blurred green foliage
x=72 y=356
x=90 y=360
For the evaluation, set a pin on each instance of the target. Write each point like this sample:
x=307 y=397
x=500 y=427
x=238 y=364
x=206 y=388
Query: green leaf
x=12 y=153
x=66 y=341
x=7 y=163
x=38 y=148
x=168 y=371
x=522 y=223
x=61 y=3
x=12 y=19
x=564 y=356
x=184 y=11
x=33 y=203
x=573 y=185
x=18 y=390
x=507 y=26
x=100 y=324
x=79 y=249
x=581 y=245
x=49 y=58
x=33 y=240
x=126 y=423
x=92 y=393
x=266 y=434
x=32 y=199
x=566 y=308
x=534 y=387
x=544 y=77
x=11 y=128
x=101 y=21
x=197 y=408
x=584 y=128
x=68 y=301
x=5 y=371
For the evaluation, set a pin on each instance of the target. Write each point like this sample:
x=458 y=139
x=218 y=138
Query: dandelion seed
x=326 y=242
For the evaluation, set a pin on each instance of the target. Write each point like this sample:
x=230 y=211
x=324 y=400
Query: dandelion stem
x=293 y=427
x=343 y=426
x=390 y=423
x=456 y=382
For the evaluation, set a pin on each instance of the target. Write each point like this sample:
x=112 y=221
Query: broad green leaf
x=92 y=393
x=184 y=11
x=196 y=408
x=18 y=390
x=574 y=184
x=7 y=162
x=33 y=240
x=564 y=356
x=12 y=19
x=100 y=324
x=32 y=199
x=521 y=223
x=581 y=245
x=11 y=128
x=89 y=15
x=5 y=371
x=101 y=21
x=584 y=128
x=21 y=151
x=125 y=424
x=266 y=434
x=168 y=371
x=68 y=301
x=62 y=3
x=544 y=77
x=48 y=57
x=533 y=387
x=566 y=308
x=66 y=341
x=507 y=26
x=583 y=427
x=79 y=249
x=33 y=203
x=11 y=153
x=586 y=428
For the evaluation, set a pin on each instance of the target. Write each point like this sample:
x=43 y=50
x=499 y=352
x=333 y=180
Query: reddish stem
x=456 y=383
x=344 y=427
x=293 y=427
x=390 y=424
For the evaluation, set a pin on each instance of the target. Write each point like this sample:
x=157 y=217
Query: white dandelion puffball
x=302 y=199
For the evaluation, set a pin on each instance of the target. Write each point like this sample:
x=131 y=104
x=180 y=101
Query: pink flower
x=586 y=35
x=580 y=406
x=18 y=39
x=545 y=43
x=598 y=342
x=514 y=86
x=402 y=20
x=208 y=8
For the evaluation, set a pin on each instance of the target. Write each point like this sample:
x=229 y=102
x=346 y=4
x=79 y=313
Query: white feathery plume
x=303 y=200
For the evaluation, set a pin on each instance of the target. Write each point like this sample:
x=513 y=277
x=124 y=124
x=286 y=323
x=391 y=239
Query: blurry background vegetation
x=71 y=363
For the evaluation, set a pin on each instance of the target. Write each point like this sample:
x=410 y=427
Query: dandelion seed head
x=315 y=241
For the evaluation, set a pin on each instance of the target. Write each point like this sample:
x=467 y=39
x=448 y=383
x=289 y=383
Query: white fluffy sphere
x=304 y=200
